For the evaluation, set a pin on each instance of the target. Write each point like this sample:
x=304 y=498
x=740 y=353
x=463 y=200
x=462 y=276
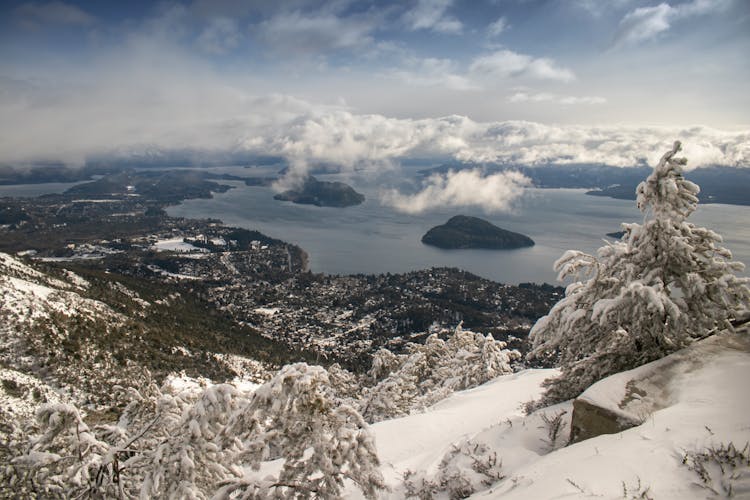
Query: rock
x=589 y=421
x=629 y=398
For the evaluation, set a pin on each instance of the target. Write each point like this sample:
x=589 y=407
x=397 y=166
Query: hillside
x=463 y=231
x=688 y=409
x=86 y=331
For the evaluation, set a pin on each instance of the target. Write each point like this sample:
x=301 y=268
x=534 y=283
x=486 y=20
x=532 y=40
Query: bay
x=374 y=238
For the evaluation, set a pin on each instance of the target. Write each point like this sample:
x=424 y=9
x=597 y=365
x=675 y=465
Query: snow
x=419 y=441
x=166 y=273
x=176 y=245
x=30 y=288
x=706 y=405
x=692 y=400
x=17 y=394
x=266 y=311
x=12 y=266
x=28 y=295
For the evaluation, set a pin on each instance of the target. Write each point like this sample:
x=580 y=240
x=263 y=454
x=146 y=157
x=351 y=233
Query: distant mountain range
x=719 y=184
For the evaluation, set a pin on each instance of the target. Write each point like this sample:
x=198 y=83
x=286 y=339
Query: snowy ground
x=701 y=403
x=176 y=245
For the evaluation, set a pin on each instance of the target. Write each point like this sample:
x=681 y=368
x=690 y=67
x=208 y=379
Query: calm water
x=27 y=190
x=372 y=238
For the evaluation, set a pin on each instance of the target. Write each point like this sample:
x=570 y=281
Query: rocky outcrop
x=590 y=420
x=628 y=399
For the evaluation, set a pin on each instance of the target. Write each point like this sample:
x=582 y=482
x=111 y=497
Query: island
x=322 y=194
x=463 y=231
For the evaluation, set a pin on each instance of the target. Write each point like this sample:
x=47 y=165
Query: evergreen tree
x=665 y=284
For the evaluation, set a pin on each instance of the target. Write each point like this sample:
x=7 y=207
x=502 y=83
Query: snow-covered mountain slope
x=85 y=333
x=29 y=295
x=419 y=441
x=694 y=405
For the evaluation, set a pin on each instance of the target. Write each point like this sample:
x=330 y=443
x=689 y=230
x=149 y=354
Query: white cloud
x=523 y=96
x=144 y=96
x=431 y=72
x=296 y=32
x=219 y=36
x=497 y=27
x=465 y=188
x=506 y=64
x=36 y=14
x=598 y=7
x=350 y=141
x=430 y=15
x=646 y=23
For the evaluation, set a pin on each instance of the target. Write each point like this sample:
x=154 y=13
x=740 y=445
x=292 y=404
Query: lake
x=373 y=238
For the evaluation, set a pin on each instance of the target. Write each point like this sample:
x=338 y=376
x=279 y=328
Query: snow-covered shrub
x=321 y=441
x=344 y=384
x=67 y=459
x=555 y=426
x=191 y=439
x=384 y=362
x=723 y=470
x=663 y=285
x=189 y=462
x=467 y=468
x=432 y=371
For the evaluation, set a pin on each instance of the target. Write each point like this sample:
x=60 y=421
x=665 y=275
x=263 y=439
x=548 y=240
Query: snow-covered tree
x=432 y=371
x=666 y=283
x=202 y=440
x=189 y=463
x=67 y=458
x=321 y=441
x=384 y=362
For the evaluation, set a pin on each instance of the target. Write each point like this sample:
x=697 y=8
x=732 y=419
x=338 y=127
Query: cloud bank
x=351 y=141
x=465 y=188
x=202 y=114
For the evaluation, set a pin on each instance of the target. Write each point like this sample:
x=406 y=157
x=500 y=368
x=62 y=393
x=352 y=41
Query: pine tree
x=665 y=284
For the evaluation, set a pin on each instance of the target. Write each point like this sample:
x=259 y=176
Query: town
x=120 y=227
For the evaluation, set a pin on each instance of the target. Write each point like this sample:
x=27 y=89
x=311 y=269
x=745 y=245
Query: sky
x=371 y=83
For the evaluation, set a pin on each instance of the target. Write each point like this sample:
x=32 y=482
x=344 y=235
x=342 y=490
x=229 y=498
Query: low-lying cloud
x=350 y=141
x=522 y=96
x=462 y=189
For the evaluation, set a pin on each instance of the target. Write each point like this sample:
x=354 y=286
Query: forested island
x=322 y=194
x=463 y=231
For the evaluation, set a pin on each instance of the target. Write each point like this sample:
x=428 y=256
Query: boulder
x=628 y=399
